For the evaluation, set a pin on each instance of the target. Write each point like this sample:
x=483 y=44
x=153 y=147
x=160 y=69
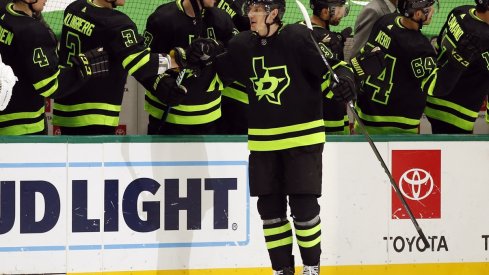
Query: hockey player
x=283 y=73
x=7 y=83
x=324 y=14
x=456 y=112
x=235 y=9
x=95 y=110
x=176 y=24
x=28 y=45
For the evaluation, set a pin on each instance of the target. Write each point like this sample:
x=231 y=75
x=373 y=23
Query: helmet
x=318 y=5
x=270 y=5
x=409 y=7
x=482 y=4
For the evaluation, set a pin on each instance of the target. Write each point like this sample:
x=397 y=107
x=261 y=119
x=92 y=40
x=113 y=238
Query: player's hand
x=467 y=50
x=168 y=91
x=203 y=51
x=370 y=61
x=93 y=63
x=346 y=89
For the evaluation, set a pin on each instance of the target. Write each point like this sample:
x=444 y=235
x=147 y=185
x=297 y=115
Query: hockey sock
x=278 y=237
x=308 y=236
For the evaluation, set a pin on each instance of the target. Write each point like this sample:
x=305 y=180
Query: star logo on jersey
x=269 y=82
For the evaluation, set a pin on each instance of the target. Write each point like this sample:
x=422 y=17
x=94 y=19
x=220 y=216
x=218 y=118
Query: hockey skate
x=310 y=270
x=284 y=271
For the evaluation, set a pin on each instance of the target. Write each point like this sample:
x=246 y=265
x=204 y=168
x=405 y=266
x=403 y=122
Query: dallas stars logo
x=270 y=82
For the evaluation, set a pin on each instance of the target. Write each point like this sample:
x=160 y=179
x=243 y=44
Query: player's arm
x=47 y=78
x=7 y=83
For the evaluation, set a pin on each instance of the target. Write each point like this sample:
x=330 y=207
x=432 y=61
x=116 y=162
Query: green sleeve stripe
x=51 y=90
x=286 y=129
x=87 y=106
x=308 y=232
x=46 y=81
x=140 y=64
x=193 y=119
x=282 y=144
x=334 y=123
x=278 y=243
x=22 y=115
x=235 y=94
x=131 y=57
x=451 y=105
x=309 y=244
x=430 y=81
x=152 y=110
x=277 y=230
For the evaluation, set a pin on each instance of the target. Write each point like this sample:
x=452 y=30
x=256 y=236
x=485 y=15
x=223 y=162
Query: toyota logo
x=418 y=181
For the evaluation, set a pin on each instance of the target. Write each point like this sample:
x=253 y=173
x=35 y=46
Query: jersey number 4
x=40 y=58
x=382 y=84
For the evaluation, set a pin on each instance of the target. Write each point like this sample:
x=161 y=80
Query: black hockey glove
x=467 y=50
x=93 y=63
x=168 y=91
x=203 y=51
x=346 y=89
x=369 y=61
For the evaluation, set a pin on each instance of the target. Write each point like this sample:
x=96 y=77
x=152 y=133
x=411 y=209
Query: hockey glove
x=7 y=83
x=467 y=50
x=203 y=51
x=346 y=89
x=369 y=61
x=93 y=63
x=168 y=91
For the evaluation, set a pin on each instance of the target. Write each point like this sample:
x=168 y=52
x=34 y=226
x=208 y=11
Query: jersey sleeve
x=42 y=64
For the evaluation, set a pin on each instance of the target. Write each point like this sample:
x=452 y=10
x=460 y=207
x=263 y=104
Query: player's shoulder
x=295 y=29
x=164 y=11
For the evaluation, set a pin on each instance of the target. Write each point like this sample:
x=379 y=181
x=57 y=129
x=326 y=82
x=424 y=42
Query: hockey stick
x=181 y=75
x=364 y=130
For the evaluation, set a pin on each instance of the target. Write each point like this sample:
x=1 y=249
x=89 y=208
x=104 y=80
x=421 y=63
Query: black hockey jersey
x=334 y=112
x=169 y=27
x=235 y=10
x=29 y=46
x=87 y=26
x=283 y=75
x=393 y=101
x=461 y=106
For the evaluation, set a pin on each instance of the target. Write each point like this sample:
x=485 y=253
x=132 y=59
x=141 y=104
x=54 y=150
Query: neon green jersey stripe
x=449 y=118
x=138 y=65
x=22 y=129
x=377 y=130
x=198 y=108
x=451 y=105
x=41 y=84
x=287 y=143
x=85 y=120
x=308 y=244
x=286 y=129
x=277 y=230
x=22 y=115
x=133 y=56
x=194 y=120
x=235 y=94
x=396 y=119
x=308 y=232
x=278 y=243
x=87 y=106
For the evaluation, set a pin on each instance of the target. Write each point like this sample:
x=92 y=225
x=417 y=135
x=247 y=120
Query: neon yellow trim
x=194 y=120
x=376 y=130
x=132 y=57
x=198 y=108
x=431 y=80
x=22 y=115
x=87 y=106
x=286 y=129
x=451 y=105
x=334 y=123
x=140 y=64
x=450 y=119
x=308 y=232
x=309 y=244
x=46 y=81
x=277 y=230
x=22 y=129
x=396 y=119
x=281 y=242
x=235 y=94
x=85 y=120
x=386 y=269
x=287 y=143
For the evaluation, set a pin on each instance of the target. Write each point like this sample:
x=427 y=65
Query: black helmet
x=409 y=7
x=482 y=4
x=318 y=5
x=270 y=5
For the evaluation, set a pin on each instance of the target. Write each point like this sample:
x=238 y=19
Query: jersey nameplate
x=78 y=24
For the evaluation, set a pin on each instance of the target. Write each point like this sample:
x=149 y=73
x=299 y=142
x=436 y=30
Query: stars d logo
x=269 y=82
